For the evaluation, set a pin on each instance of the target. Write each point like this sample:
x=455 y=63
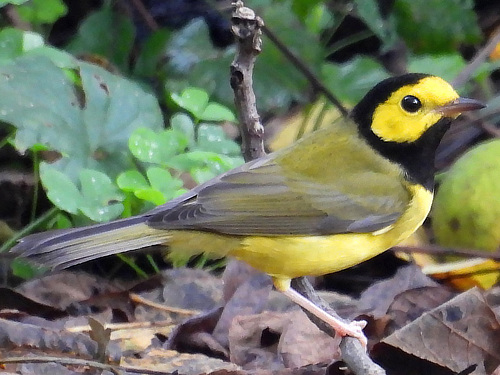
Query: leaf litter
x=192 y=322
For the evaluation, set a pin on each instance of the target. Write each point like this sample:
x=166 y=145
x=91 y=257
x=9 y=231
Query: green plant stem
x=7 y=139
x=36 y=183
x=153 y=263
x=29 y=228
x=132 y=264
x=358 y=37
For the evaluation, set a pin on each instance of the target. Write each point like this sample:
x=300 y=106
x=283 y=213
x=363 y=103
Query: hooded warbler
x=335 y=198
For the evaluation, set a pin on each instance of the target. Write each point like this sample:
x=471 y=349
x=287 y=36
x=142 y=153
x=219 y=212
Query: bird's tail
x=67 y=247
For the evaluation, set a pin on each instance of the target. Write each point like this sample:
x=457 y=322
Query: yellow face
x=412 y=109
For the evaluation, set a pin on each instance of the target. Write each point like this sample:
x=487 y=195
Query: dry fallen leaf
x=462 y=332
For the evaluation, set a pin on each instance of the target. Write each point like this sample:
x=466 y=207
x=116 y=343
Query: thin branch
x=353 y=353
x=145 y=15
x=440 y=250
x=246 y=26
x=304 y=69
x=480 y=57
x=82 y=362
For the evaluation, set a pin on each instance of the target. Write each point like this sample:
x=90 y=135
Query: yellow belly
x=286 y=257
x=294 y=256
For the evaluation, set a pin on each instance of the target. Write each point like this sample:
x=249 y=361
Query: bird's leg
x=353 y=329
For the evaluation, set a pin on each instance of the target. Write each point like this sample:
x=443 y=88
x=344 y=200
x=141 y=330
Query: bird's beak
x=457 y=106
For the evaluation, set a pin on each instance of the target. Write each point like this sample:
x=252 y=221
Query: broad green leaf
x=15 y=43
x=446 y=66
x=217 y=112
x=106 y=33
x=318 y=18
x=152 y=51
x=200 y=159
x=23 y=269
x=151 y=195
x=212 y=138
x=368 y=11
x=41 y=102
x=193 y=100
x=131 y=180
x=13 y=2
x=439 y=26
x=352 y=80
x=156 y=147
x=203 y=174
x=61 y=191
x=42 y=11
x=162 y=180
x=184 y=124
x=101 y=198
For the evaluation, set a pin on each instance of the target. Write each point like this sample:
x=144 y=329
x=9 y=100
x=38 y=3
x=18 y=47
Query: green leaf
x=162 y=180
x=439 y=26
x=17 y=42
x=13 y=2
x=156 y=147
x=105 y=33
x=446 y=66
x=60 y=221
x=42 y=11
x=217 y=112
x=101 y=198
x=318 y=18
x=352 y=80
x=61 y=191
x=193 y=100
x=203 y=174
x=195 y=160
x=212 y=138
x=277 y=83
x=151 y=195
x=131 y=180
x=152 y=52
x=23 y=269
x=42 y=103
x=368 y=11
x=184 y=124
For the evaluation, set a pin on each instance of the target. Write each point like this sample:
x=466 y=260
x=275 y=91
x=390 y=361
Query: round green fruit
x=466 y=211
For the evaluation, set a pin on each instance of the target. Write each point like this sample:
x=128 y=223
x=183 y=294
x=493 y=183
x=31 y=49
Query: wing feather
x=280 y=195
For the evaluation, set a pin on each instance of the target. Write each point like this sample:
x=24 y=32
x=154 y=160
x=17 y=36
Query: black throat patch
x=416 y=158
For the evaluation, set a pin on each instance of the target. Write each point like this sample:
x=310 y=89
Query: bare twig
x=480 y=57
x=247 y=29
x=145 y=15
x=304 y=69
x=440 y=250
x=138 y=299
x=82 y=362
x=353 y=353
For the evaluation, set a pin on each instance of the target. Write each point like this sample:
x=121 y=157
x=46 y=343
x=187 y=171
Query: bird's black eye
x=411 y=103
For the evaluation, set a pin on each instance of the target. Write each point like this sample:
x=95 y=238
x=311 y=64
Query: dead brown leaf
x=411 y=304
x=377 y=299
x=462 y=332
x=182 y=363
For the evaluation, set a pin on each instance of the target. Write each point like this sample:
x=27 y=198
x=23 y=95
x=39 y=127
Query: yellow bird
x=333 y=199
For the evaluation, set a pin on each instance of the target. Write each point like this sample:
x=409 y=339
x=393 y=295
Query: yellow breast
x=285 y=257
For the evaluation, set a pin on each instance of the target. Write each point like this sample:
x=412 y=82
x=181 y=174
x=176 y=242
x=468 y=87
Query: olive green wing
x=279 y=195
